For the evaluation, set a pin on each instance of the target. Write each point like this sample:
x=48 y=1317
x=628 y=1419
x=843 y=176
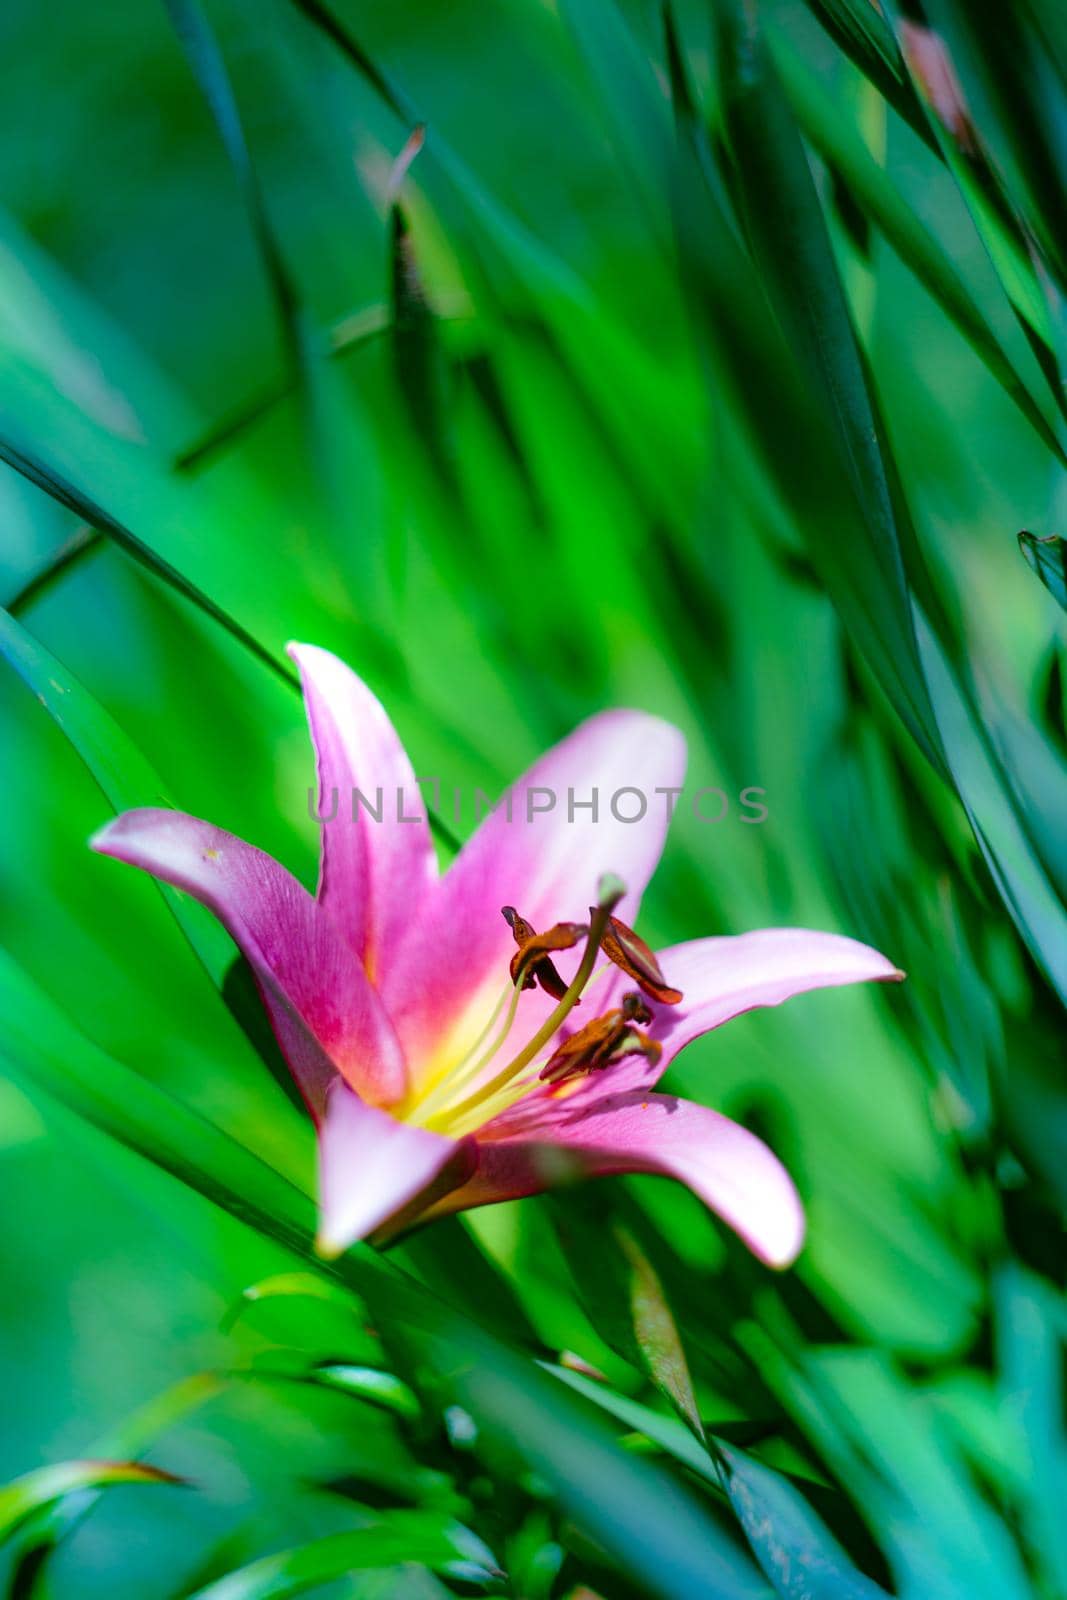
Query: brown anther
x=604 y=1040
x=635 y=1010
x=623 y=946
x=531 y=964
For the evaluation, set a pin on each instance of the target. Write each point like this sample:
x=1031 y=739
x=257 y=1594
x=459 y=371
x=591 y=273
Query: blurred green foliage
x=704 y=360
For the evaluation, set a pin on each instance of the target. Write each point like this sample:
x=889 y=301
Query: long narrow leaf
x=845 y=152
x=796 y=1550
x=24 y=1496
x=388 y=1540
x=122 y=772
x=67 y=494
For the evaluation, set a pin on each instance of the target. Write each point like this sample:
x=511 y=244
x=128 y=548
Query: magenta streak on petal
x=325 y=1012
x=544 y=863
x=371 y=1166
x=373 y=873
x=731 y=1170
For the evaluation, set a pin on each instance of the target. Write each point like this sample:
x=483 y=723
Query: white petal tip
x=778 y=1248
x=327 y=1248
x=782 y=1260
x=302 y=653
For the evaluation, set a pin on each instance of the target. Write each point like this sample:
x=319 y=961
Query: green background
x=607 y=444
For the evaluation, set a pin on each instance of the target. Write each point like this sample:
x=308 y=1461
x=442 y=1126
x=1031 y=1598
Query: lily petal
x=547 y=860
x=731 y=1170
x=326 y=1014
x=374 y=868
x=723 y=977
x=371 y=1166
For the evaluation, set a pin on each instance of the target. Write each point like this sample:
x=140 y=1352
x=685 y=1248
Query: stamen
x=602 y=1041
x=630 y=952
x=531 y=962
x=611 y=892
x=431 y=1109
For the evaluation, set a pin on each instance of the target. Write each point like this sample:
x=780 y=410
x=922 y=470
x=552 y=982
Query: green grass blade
x=794 y=1547
x=1017 y=101
x=122 y=772
x=824 y=458
x=844 y=151
x=1047 y=556
x=872 y=578
x=82 y=542
x=26 y=1496
x=67 y=494
x=389 y=1539
x=208 y=67
x=866 y=38
x=55 y=1519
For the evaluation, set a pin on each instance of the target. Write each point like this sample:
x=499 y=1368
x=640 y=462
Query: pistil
x=433 y=1103
x=611 y=891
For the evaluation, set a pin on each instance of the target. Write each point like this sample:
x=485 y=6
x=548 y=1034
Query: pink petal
x=722 y=977
x=731 y=1170
x=327 y=1016
x=371 y=1166
x=454 y=963
x=375 y=867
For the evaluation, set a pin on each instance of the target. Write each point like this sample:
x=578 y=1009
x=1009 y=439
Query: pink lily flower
x=432 y=1038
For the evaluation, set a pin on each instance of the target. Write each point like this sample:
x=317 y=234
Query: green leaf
x=390 y=93
x=656 y=1331
x=940 y=1535
x=845 y=152
x=82 y=542
x=34 y=1491
x=867 y=39
x=352 y=332
x=669 y=1556
x=871 y=575
x=384 y=1541
x=128 y=780
x=54 y=1519
x=1001 y=832
x=1031 y=1326
x=452 y=1262
x=37 y=471
x=623 y=1296
x=122 y=772
x=1016 y=99
x=794 y=1547
x=208 y=67
x=809 y=413
x=286 y=1285
x=40 y=1042
x=1047 y=556
x=520 y=276
x=370 y=1383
